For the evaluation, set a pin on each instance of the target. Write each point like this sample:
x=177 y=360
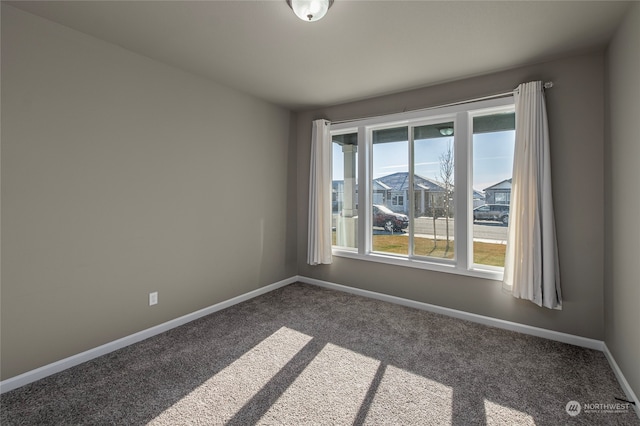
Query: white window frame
x=462 y=115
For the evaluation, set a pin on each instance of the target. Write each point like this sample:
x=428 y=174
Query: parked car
x=389 y=220
x=496 y=212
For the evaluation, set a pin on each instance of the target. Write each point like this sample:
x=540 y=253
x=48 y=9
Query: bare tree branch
x=446 y=176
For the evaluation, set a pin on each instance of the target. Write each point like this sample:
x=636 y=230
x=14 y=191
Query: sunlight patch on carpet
x=499 y=415
x=407 y=398
x=218 y=399
x=332 y=387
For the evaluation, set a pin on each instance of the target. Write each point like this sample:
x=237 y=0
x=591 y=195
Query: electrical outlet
x=153 y=298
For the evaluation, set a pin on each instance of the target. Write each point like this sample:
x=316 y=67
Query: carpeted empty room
x=303 y=354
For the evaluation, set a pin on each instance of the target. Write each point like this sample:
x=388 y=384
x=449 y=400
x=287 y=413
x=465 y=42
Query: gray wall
x=576 y=117
x=622 y=255
x=117 y=177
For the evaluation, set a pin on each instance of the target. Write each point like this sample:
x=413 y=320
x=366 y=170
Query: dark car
x=389 y=220
x=495 y=212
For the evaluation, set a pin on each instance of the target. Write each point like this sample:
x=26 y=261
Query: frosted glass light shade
x=310 y=10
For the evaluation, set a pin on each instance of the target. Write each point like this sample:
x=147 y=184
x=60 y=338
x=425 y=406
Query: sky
x=492 y=158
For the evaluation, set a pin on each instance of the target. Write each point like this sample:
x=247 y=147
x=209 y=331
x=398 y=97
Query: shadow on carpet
x=307 y=355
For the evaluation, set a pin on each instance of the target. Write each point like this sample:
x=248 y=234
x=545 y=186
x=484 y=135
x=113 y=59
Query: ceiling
x=360 y=49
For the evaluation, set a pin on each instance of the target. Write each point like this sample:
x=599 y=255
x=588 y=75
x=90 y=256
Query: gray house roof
x=400 y=182
x=505 y=184
x=380 y=186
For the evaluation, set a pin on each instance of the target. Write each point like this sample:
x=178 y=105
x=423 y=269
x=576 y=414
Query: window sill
x=489 y=274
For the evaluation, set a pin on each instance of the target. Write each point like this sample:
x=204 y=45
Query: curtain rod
x=546 y=85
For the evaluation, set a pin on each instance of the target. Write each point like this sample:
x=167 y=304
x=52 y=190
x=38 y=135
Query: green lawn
x=483 y=253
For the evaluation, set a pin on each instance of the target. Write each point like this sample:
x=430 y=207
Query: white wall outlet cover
x=153 y=298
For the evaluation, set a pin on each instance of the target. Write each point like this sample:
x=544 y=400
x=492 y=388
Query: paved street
x=482 y=230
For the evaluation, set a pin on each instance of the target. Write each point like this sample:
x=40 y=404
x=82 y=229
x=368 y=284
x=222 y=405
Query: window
x=344 y=190
x=430 y=183
x=492 y=151
x=433 y=189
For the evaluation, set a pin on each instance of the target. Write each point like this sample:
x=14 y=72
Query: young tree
x=432 y=203
x=446 y=176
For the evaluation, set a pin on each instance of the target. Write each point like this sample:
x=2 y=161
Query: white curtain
x=531 y=265
x=319 y=249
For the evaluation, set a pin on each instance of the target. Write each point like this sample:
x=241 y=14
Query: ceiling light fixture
x=310 y=10
x=446 y=131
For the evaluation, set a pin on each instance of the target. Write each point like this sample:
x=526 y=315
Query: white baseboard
x=63 y=364
x=481 y=319
x=631 y=396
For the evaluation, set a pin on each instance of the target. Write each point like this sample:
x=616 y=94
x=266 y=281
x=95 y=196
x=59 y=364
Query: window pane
x=433 y=168
x=493 y=145
x=389 y=191
x=345 y=190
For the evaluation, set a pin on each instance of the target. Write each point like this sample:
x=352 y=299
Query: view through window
x=389 y=190
x=493 y=145
x=344 y=187
x=434 y=189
